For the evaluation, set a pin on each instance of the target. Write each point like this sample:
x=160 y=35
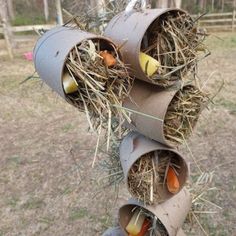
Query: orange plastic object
x=145 y=227
x=172 y=181
x=108 y=58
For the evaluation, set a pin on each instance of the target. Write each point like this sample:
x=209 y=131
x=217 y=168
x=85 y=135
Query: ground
x=47 y=184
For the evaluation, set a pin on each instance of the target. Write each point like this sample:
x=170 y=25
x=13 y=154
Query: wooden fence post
x=59 y=12
x=233 y=20
x=212 y=5
x=46 y=11
x=7 y=38
x=6 y=27
x=10 y=9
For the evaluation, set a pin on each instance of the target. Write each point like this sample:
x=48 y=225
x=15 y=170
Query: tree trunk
x=201 y=4
x=223 y=6
x=212 y=5
x=46 y=11
x=154 y=3
x=162 y=3
x=166 y=3
x=10 y=9
x=59 y=12
x=178 y=3
x=6 y=27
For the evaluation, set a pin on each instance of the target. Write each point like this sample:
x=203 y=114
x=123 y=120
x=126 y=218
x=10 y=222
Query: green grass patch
x=221 y=41
x=24 y=20
x=33 y=203
x=12 y=202
x=67 y=127
x=14 y=160
x=10 y=83
x=66 y=191
x=227 y=104
x=77 y=214
x=46 y=220
x=211 y=228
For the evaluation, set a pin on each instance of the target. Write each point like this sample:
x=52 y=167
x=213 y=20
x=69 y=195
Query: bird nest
x=175 y=41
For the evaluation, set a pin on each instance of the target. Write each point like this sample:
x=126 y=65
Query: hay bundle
x=147 y=176
x=101 y=78
x=182 y=114
x=175 y=42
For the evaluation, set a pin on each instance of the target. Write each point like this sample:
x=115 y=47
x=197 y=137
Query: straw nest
x=183 y=113
x=156 y=227
x=102 y=84
x=175 y=42
x=147 y=176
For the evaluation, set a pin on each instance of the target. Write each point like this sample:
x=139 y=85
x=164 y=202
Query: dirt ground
x=47 y=185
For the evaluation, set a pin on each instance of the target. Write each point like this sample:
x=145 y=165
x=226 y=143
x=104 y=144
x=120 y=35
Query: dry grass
x=175 y=41
x=202 y=204
x=100 y=87
x=102 y=83
x=147 y=176
x=183 y=113
x=111 y=166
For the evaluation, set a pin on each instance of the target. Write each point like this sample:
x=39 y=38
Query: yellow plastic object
x=135 y=225
x=69 y=84
x=149 y=64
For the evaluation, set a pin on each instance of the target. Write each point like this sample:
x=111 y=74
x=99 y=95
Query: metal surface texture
x=153 y=101
x=128 y=30
x=135 y=145
x=171 y=213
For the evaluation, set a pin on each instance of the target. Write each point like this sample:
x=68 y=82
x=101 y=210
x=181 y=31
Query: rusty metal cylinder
x=128 y=30
x=52 y=50
x=171 y=213
x=135 y=145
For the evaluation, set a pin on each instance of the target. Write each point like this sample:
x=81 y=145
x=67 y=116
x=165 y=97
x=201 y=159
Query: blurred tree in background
x=26 y=12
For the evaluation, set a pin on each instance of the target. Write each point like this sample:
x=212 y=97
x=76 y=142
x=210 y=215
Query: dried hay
x=201 y=189
x=175 y=41
x=183 y=113
x=100 y=87
x=111 y=166
x=147 y=176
